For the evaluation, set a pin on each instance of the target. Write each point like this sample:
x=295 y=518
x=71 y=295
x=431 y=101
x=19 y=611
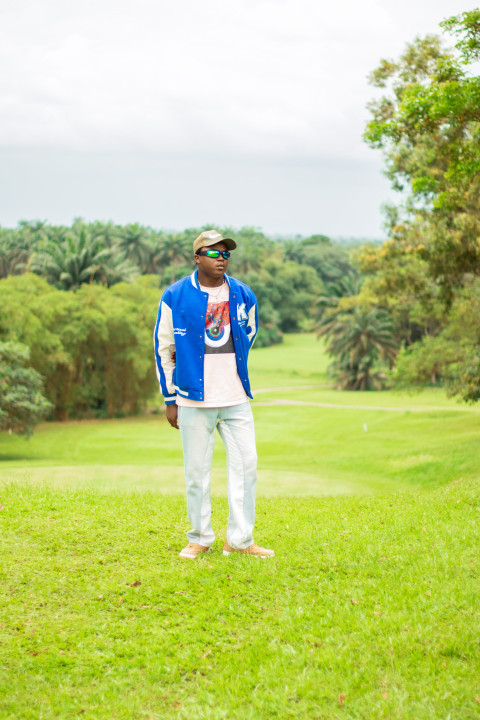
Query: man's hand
x=172 y=415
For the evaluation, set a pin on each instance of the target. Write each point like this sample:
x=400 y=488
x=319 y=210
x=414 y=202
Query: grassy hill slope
x=342 y=443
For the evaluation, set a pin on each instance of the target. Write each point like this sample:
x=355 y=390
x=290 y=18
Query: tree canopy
x=427 y=125
x=84 y=299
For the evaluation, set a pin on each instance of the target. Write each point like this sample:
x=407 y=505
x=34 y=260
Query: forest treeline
x=78 y=303
x=84 y=299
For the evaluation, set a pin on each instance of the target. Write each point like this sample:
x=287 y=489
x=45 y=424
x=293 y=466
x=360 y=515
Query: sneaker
x=192 y=550
x=250 y=550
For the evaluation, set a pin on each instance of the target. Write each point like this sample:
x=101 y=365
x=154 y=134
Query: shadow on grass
x=8 y=457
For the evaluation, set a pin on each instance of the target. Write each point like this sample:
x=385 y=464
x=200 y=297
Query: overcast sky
x=177 y=114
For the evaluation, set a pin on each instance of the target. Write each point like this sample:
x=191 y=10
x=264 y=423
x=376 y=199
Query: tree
x=93 y=346
x=347 y=286
x=360 y=340
x=133 y=243
x=331 y=262
x=428 y=127
x=253 y=250
x=22 y=404
x=398 y=280
x=451 y=357
x=16 y=247
x=173 y=256
x=107 y=233
x=80 y=258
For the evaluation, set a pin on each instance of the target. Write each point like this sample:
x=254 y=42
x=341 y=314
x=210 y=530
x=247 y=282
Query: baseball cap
x=211 y=237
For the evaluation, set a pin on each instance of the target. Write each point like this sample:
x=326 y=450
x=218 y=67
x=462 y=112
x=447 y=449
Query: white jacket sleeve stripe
x=252 y=324
x=164 y=340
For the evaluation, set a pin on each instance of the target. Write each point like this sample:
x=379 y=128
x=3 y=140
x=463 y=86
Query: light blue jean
x=236 y=428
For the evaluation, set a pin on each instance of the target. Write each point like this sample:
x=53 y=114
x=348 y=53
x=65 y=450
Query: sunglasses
x=215 y=253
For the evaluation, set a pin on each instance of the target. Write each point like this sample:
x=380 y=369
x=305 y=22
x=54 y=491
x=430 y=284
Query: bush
x=22 y=404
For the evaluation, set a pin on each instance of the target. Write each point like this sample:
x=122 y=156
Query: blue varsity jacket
x=180 y=327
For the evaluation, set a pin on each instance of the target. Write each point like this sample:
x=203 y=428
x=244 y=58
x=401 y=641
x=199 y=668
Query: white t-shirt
x=222 y=384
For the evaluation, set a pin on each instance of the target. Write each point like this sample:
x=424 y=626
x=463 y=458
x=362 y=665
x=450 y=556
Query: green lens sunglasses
x=215 y=253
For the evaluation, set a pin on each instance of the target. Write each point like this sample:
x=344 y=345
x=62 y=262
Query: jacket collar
x=196 y=284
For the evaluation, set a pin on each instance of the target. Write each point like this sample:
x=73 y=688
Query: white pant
x=236 y=428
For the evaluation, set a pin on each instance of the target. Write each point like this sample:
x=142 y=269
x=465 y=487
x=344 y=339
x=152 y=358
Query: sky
x=187 y=113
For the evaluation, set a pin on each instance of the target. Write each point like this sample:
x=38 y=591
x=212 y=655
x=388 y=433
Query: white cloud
x=275 y=77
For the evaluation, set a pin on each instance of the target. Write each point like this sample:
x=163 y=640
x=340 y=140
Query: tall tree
x=428 y=127
x=17 y=246
x=80 y=258
x=173 y=256
x=106 y=232
x=134 y=243
x=427 y=124
x=362 y=342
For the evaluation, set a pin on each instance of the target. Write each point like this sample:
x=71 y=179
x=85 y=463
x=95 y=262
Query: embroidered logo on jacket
x=241 y=314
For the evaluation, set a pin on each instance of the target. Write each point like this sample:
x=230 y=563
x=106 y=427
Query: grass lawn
x=369 y=609
x=343 y=443
x=298 y=360
x=302 y=450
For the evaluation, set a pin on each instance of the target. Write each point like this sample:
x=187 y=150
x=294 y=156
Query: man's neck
x=210 y=282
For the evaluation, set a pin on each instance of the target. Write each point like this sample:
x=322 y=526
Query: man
x=205 y=328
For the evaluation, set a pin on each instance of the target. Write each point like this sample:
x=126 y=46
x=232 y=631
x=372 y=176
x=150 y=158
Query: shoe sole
x=187 y=556
x=264 y=557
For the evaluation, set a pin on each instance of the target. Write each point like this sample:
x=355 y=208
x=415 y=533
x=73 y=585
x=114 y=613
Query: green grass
x=299 y=359
x=302 y=450
x=369 y=609
x=430 y=399
x=355 y=443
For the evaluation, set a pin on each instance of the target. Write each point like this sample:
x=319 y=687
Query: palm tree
x=153 y=260
x=12 y=255
x=134 y=244
x=17 y=246
x=79 y=259
x=174 y=254
x=359 y=339
x=107 y=232
x=347 y=286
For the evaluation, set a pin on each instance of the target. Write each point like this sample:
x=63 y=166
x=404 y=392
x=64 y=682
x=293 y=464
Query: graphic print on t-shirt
x=218 y=336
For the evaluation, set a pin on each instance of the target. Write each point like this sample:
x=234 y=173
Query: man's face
x=213 y=268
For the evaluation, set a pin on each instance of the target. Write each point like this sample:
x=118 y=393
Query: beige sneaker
x=192 y=550
x=250 y=550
